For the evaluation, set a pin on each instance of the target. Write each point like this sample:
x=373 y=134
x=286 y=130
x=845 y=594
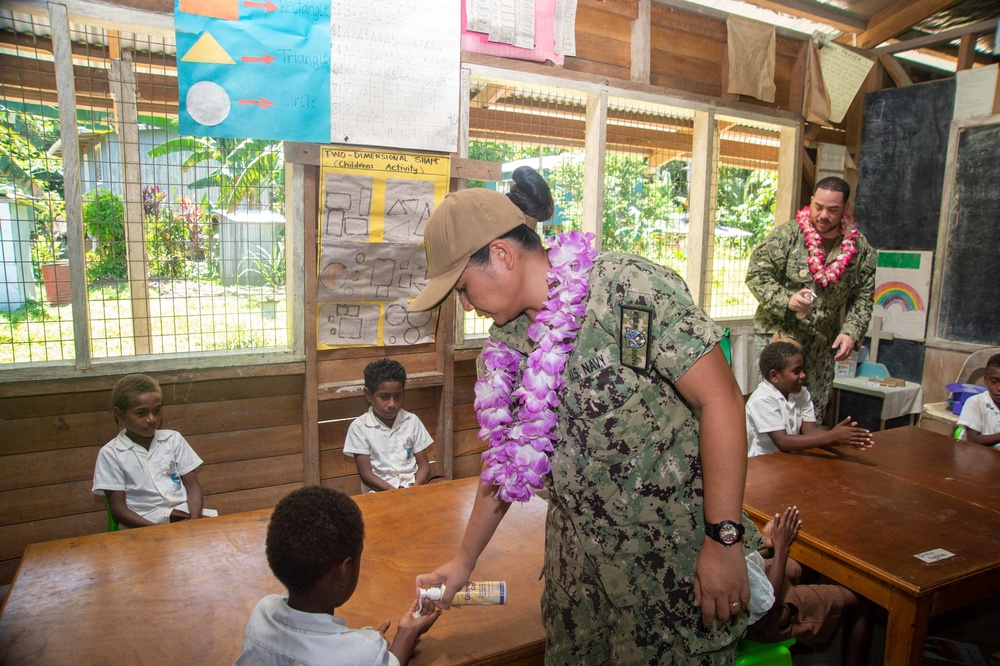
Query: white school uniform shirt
x=392 y=450
x=768 y=411
x=981 y=414
x=761 y=590
x=145 y=476
x=279 y=635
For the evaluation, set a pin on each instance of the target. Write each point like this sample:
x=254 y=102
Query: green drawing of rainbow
x=898 y=293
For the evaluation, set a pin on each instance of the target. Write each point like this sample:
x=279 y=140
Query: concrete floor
x=977 y=624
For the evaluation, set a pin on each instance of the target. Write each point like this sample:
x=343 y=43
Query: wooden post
x=305 y=193
x=702 y=185
x=593 y=169
x=62 y=55
x=122 y=83
x=641 y=44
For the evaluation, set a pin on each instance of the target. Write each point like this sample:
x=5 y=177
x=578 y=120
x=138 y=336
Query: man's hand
x=845 y=345
x=801 y=301
x=721 y=586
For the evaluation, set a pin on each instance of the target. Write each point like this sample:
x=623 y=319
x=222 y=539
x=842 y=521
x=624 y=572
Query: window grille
x=184 y=236
x=534 y=126
x=746 y=188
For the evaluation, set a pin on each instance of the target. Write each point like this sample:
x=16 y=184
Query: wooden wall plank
x=220 y=447
x=252 y=499
x=467 y=466
x=14 y=538
x=48 y=501
x=349 y=485
x=597 y=22
x=352 y=368
x=34 y=469
x=596 y=48
x=248 y=474
x=628 y=9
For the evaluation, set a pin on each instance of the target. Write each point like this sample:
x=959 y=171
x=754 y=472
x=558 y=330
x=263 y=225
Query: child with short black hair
x=147 y=474
x=314 y=543
x=387 y=442
x=780 y=415
x=808 y=613
x=981 y=413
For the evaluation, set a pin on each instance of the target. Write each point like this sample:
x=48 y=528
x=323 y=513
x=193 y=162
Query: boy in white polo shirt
x=981 y=413
x=780 y=414
x=147 y=474
x=388 y=443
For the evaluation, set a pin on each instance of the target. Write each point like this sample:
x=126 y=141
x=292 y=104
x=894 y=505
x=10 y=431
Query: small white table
x=896 y=400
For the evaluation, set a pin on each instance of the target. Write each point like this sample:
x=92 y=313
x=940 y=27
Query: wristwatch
x=727 y=532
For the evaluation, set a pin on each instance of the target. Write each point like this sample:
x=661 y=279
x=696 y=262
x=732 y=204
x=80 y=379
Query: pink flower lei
x=517 y=459
x=823 y=274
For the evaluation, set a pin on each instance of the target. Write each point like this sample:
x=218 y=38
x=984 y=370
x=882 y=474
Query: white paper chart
x=395 y=73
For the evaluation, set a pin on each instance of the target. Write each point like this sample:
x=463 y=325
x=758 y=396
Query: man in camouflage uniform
x=835 y=322
x=625 y=522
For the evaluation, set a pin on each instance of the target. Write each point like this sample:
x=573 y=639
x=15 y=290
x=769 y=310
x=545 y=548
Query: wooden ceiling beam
x=945 y=36
x=895 y=70
x=893 y=20
x=814 y=11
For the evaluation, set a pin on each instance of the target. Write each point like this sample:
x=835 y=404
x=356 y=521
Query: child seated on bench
x=147 y=474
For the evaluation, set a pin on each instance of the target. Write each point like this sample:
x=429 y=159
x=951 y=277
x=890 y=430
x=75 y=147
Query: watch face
x=729 y=534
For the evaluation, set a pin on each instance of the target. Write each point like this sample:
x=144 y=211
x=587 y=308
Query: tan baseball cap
x=465 y=222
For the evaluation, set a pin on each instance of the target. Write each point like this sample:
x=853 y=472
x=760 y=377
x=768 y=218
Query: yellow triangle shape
x=206 y=49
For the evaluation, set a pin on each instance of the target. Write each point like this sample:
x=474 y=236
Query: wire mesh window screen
x=746 y=187
x=646 y=176
x=518 y=125
x=184 y=236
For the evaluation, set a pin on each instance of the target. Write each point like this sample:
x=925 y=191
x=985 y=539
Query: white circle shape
x=207 y=103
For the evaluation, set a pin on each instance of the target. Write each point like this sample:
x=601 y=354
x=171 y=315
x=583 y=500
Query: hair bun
x=531 y=194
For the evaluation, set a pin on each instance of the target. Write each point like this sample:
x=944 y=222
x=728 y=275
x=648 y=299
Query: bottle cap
x=433 y=593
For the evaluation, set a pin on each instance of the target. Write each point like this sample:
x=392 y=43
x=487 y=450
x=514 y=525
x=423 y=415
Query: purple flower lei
x=517 y=459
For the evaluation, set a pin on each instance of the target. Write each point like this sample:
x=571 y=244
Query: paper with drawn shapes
x=374 y=206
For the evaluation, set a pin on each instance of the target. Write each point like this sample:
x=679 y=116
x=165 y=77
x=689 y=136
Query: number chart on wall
x=374 y=206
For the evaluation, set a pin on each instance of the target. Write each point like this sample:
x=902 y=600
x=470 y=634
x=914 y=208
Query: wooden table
x=182 y=593
x=866 y=514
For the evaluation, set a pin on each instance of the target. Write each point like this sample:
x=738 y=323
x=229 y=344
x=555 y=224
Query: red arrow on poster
x=266 y=59
x=262 y=102
x=267 y=5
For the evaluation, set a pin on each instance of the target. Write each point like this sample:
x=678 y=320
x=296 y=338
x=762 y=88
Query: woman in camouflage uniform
x=830 y=319
x=649 y=450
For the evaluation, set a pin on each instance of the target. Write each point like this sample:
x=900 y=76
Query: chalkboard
x=904 y=143
x=970 y=299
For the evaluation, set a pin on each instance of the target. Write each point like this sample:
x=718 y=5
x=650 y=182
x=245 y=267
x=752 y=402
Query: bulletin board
x=374 y=205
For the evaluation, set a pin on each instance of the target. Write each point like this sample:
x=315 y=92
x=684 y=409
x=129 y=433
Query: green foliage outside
x=247 y=172
x=104 y=223
x=32 y=177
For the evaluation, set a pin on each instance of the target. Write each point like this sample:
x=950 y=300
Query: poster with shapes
x=374 y=206
x=395 y=70
x=902 y=290
x=250 y=69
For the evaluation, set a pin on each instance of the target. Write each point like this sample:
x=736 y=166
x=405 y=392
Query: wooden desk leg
x=906 y=631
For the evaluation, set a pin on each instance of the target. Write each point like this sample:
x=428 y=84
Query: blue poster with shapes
x=254 y=69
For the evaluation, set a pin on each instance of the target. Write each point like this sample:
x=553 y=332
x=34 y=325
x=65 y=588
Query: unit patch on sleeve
x=637 y=330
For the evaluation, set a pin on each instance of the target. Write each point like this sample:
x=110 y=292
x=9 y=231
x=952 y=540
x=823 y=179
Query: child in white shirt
x=388 y=443
x=147 y=474
x=314 y=543
x=981 y=413
x=780 y=415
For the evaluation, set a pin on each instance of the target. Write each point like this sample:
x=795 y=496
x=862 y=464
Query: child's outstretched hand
x=785 y=526
x=419 y=619
x=847 y=433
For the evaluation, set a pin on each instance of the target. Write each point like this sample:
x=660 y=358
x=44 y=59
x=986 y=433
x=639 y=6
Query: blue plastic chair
x=112 y=523
x=752 y=653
